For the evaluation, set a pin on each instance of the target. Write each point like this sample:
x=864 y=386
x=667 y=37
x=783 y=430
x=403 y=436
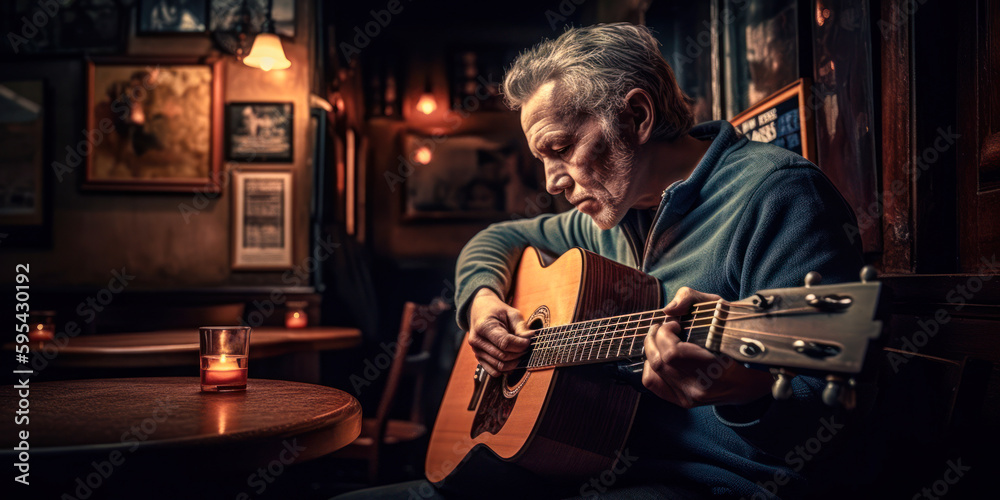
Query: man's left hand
x=689 y=375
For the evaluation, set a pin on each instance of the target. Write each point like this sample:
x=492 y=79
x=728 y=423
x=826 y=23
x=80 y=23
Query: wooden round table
x=166 y=427
x=180 y=347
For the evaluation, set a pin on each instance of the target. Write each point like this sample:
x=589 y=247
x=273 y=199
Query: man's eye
x=561 y=151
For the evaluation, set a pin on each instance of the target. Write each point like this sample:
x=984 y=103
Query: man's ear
x=639 y=114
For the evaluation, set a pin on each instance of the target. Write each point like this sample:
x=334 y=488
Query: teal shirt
x=751 y=216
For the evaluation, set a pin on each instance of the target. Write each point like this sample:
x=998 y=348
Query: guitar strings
x=569 y=345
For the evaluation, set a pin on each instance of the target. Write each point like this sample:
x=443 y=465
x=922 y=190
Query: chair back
x=417 y=330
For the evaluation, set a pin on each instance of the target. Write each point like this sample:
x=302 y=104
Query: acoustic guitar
x=561 y=402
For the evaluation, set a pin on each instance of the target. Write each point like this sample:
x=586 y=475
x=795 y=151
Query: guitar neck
x=621 y=337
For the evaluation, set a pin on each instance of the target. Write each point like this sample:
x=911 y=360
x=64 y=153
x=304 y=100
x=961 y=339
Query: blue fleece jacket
x=751 y=216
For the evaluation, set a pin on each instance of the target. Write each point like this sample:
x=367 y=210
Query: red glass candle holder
x=43 y=325
x=224 y=356
x=296 y=316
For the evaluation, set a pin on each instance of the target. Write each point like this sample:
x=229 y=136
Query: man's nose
x=556 y=178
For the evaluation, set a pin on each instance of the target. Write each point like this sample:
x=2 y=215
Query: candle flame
x=222 y=359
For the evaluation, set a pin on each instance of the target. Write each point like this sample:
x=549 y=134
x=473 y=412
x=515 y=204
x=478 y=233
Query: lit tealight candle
x=296 y=319
x=296 y=316
x=223 y=373
x=42 y=331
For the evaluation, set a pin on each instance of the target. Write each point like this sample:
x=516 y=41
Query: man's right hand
x=497 y=333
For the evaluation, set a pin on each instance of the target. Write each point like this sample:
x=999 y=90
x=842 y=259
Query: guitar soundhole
x=513 y=378
x=499 y=395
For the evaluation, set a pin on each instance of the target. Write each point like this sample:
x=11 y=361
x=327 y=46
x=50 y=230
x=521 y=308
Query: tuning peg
x=813 y=278
x=835 y=390
x=848 y=395
x=868 y=273
x=782 y=388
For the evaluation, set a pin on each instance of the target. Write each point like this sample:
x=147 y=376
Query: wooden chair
x=417 y=330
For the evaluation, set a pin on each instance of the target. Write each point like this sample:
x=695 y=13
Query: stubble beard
x=617 y=169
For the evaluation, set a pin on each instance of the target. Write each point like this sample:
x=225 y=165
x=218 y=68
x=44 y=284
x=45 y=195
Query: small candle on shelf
x=43 y=326
x=224 y=358
x=296 y=316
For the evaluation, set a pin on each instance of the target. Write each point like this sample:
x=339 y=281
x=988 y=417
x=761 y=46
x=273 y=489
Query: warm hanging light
x=267 y=53
x=427 y=104
x=422 y=155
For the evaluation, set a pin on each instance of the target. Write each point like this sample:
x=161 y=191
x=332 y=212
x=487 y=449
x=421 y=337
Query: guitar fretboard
x=619 y=337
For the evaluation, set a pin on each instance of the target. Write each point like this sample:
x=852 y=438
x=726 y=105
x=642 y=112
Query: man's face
x=593 y=173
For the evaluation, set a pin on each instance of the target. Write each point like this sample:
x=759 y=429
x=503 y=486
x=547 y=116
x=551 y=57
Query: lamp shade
x=267 y=53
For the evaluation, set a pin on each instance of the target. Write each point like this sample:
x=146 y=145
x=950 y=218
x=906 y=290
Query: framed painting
x=159 y=17
x=259 y=131
x=22 y=153
x=64 y=27
x=153 y=124
x=470 y=177
x=262 y=220
x=226 y=14
x=784 y=119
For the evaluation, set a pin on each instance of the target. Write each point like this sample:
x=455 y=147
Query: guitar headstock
x=824 y=329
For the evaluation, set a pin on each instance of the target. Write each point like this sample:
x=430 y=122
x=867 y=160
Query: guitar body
x=578 y=413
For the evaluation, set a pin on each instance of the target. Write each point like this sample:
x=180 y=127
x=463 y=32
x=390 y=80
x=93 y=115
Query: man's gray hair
x=597 y=66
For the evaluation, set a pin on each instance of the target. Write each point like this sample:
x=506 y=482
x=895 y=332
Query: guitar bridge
x=480 y=385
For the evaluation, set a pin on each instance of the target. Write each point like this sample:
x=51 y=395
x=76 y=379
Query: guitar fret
x=615 y=337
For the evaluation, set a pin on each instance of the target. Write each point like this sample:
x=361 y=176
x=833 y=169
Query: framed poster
x=153 y=124
x=784 y=119
x=262 y=220
x=158 y=17
x=64 y=27
x=469 y=177
x=22 y=153
x=226 y=14
x=259 y=131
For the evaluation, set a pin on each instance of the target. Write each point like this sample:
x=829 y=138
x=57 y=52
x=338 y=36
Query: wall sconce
x=266 y=52
x=427 y=104
x=422 y=155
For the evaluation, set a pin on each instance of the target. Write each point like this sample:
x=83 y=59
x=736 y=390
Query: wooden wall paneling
x=979 y=145
x=897 y=136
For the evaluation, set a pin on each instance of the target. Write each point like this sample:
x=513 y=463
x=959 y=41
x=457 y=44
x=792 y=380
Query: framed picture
x=153 y=124
x=784 y=119
x=262 y=220
x=94 y=27
x=475 y=72
x=470 y=177
x=259 y=131
x=172 y=16
x=226 y=14
x=22 y=153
